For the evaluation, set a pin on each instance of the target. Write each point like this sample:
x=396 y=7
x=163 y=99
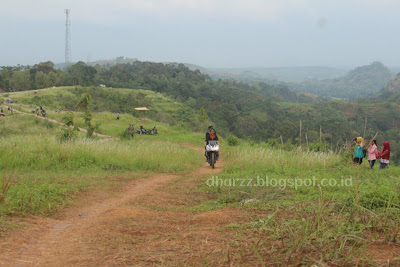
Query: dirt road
x=148 y=223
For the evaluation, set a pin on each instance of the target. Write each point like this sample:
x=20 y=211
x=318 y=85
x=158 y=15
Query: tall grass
x=46 y=172
x=313 y=224
x=46 y=153
x=252 y=159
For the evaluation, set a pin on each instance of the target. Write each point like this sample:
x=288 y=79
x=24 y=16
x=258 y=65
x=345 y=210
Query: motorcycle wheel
x=212 y=160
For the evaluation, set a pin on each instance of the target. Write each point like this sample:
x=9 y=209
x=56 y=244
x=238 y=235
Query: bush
x=274 y=142
x=319 y=146
x=67 y=135
x=49 y=124
x=125 y=135
x=233 y=141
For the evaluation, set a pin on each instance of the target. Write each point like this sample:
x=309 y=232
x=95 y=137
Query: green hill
x=391 y=92
x=360 y=82
x=277 y=75
x=177 y=95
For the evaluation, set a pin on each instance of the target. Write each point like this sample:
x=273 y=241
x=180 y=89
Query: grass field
x=172 y=119
x=304 y=207
x=43 y=173
x=163 y=109
x=316 y=206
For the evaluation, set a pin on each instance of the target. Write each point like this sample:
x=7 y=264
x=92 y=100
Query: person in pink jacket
x=372 y=151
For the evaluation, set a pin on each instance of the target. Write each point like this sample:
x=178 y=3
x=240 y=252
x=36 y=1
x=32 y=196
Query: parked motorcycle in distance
x=147 y=131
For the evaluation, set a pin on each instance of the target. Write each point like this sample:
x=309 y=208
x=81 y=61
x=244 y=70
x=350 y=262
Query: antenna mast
x=67 y=39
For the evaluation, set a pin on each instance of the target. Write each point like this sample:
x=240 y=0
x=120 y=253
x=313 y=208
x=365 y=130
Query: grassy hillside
x=390 y=93
x=163 y=109
x=307 y=207
x=303 y=206
x=260 y=118
x=360 y=82
x=44 y=173
x=283 y=74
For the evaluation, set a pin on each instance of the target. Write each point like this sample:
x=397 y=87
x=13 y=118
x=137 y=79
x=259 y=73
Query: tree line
x=256 y=112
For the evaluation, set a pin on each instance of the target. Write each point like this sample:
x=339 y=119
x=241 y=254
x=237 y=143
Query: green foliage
x=274 y=142
x=20 y=80
x=202 y=115
x=332 y=221
x=319 y=146
x=82 y=74
x=5 y=184
x=84 y=104
x=360 y=82
x=126 y=134
x=44 y=173
x=66 y=135
x=70 y=133
x=69 y=119
x=232 y=140
x=175 y=94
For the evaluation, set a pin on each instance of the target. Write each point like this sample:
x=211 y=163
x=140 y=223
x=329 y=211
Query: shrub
x=232 y=141
x=125 y=135
x=67 y=135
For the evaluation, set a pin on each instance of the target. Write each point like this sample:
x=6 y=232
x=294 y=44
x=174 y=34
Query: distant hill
x=103 y=62
x=361 y=82
x=391 y=92
x=284 y=74
x=395 y=69
x=195 y=67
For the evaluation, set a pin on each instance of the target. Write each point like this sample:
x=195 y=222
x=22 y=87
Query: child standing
x=372 y=151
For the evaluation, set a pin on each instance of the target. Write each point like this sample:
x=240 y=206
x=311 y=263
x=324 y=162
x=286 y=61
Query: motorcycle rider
x=211 y=135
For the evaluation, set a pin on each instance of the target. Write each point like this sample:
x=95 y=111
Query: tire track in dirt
x=46 y=243
x=52 y=242
x=151 y=212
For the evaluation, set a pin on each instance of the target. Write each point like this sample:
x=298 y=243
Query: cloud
x=131 y=11
x=123 y=11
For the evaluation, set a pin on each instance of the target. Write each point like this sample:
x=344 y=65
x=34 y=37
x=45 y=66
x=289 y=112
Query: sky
x=209 y=33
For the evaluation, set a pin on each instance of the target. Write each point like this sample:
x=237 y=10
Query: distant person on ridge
x=131 y=129
x=372 y=152
x=358 y=150
x=118 y=116
x=384 y=155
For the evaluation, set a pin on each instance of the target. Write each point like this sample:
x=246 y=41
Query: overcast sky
x=210 y=33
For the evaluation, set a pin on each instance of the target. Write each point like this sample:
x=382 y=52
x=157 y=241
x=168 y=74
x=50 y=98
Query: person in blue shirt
x=358 y=150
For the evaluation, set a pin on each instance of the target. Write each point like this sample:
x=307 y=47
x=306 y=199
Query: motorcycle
x=212 y=152
x=145 y=131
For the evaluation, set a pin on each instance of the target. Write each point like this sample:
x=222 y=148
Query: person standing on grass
x=131 y=129
x=384 y=155
x=372 y=151
x=1 y=110
x=358 y=150
x=11 y=109
x=118 y=116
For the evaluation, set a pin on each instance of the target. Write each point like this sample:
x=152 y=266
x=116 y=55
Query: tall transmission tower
x=67 y=39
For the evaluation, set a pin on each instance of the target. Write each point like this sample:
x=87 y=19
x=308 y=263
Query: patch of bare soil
x=151 y=222
x=147 y=223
